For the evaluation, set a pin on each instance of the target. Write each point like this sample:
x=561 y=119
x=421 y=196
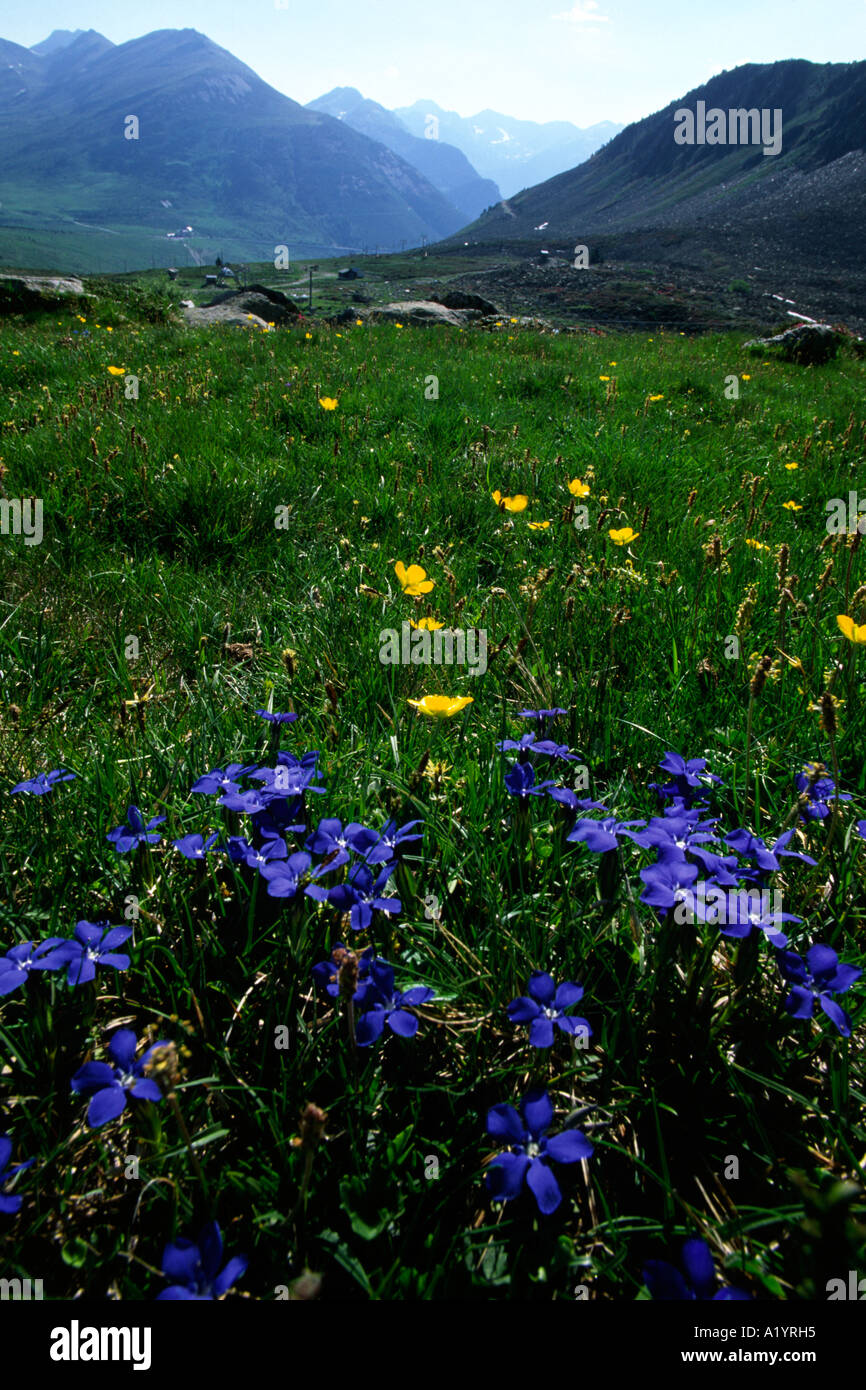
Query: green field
x=164 y=606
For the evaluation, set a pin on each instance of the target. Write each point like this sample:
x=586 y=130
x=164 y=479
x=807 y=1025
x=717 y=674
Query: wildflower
x=413 y=581
x=344 y=968
x=849 y=629
x=194 y=1266
x=518 y=503
x=219 y=780
x=391 y=1006
x=792 y=506
x=308 y=335
x=16 y=965
x=669 y=881
x=117 y=371
x=665 y=1282
x=520 y=781
x=599 y=836
x=791 y=466
x=441 y=706
x=756 y=545
x=359 y=323
x=134 y=832
x=330 y=839
x=44 y=781
x=578 y=488
x=93 y=945
x=544 y=1005
x=390 y=839
x=819 y=977
x=359 y=895
x=745 y=376
x=604 y=378
x=276 y=718
x=531 y=1152
x=10 y=1205
x=328 y=402
x=108 y=1085
x=624 y=536
x=283 y=876
x=427 y=625
x=659 y=398
x=194 y=846
x=819 y=791
x=538 y=525
x=540 y=713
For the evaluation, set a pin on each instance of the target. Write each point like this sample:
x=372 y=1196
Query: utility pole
x=312 y=268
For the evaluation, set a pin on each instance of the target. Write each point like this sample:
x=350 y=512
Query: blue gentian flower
x=221 y=780
x=325 y=973
x=276 y=717
x=329 y=838
x=194 y=1267
x=681 y=832
x=539 y=713
x=544 y=1005
x=819 y=977
x=690 y=777
x=359 y=895
x=384 y=1004
x=93 y=945
x=194 y=846
x=666 y=1282
x=566 y=797
x=861 y=829
x=109 y=1084
x=821 y=793
x=520 y=781
x=599 y=836
x=284 y=876
x=134 y=832
x=10 y=1205
x=246 y=802
x=390 y=839
x=44 y=781
x=240 y=851
x=668 y=881
x=743 y=914
x=16 y=965
x=530 y=743
x=531 y=1152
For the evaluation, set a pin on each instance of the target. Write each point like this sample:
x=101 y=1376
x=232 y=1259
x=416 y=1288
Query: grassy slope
x=159 y=524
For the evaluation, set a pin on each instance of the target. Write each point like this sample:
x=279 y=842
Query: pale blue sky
x=578 y=60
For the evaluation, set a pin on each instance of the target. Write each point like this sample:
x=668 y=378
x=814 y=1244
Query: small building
x=350 y=274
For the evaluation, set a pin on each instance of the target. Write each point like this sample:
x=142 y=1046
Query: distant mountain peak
x=59 y=39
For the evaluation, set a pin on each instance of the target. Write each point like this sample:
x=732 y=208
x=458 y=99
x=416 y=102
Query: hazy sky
x=578 y=60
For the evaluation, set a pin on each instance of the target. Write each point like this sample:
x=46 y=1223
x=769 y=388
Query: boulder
x=223 y=313
x=419 y=311
x=809 y=344
x=20 y=294
x=459 y=299
x=272 y=305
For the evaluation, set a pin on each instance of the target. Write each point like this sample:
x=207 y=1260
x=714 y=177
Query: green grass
x=159 y=525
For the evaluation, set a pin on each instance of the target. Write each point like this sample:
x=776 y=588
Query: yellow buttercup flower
x=328 y=403
x=744 y=376
x=117 y=371
x=308 y=335
x=413 y=580
x=604 y=378
x=428 y=624
x=792 y=506
x=517 y=503
x=538 y=525
x=441 y=706
x=578 y=488
x=791 y=466
x=657 y=398
x=850 y=629
x=756 y=545
x=359 y=323
x=624 y=536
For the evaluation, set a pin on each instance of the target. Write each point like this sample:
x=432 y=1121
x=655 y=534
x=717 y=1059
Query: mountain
x=217 y=149
x=516 y=154
x=806 y=201
x=60 y=39
x=443 y=165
